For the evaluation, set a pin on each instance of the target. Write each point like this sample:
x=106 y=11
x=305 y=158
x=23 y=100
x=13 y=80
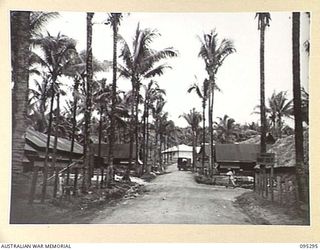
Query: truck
x=184 y=163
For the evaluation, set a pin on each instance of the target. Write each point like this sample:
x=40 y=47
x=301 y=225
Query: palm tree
x=20 y=43
x=39 y=97
x=226 y=129
x=157 y=113
x=193 y=118
x=279 y=107
x=301 y=171
x=152 y=92
x=203 y=93
x=141 y=63
x=114 y=20
x=86 y=172
x=213 y=53
x=58 y=53
x=263 y=21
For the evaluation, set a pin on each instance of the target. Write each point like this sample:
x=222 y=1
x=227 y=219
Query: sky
x=238 y=77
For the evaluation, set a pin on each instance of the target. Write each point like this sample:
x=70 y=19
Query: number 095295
x=308 y=246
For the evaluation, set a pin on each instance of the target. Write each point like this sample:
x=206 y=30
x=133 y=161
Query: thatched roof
x=284 y=150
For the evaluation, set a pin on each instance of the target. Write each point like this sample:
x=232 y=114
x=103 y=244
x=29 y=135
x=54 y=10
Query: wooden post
x=75 y=182
x=279 y=188
x=271 y=182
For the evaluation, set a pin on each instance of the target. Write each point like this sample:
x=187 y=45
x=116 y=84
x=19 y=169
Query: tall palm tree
x=86 y=172
x=203 y=93
x=58 y=53
x=301 y=171
x=263 y=22
x=213 y=53
x=141 y=62
x=152 y=91
x=20 y=44
x=114 y=20
x=193 y=118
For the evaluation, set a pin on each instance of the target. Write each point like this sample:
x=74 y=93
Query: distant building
x=121 y=154
x=180 y=151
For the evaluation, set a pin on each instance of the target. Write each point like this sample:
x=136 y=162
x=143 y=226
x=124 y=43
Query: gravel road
x=175 y=198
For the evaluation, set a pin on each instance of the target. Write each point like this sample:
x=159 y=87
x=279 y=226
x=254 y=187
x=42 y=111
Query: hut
x=281 y=177
x=239 y=157
x=121 y=154
x=35 y=150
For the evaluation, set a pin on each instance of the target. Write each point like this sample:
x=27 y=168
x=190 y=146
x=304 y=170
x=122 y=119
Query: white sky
x=238 y=77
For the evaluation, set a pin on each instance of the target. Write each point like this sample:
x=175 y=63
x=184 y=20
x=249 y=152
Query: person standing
x=230 y=173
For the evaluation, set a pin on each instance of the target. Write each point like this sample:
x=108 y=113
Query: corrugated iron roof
x=237 y=152
x=40 y=141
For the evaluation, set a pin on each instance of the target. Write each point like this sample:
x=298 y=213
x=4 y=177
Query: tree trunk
x=131 y=133
x=55 y=144
x=74 y=126
x=136 y=121
x=203 y=131
x=45 y=166
x=114 y=99
x=86 y=168
x=99 y=146
x=263 y=146
x=301 y=171
x=20 y=42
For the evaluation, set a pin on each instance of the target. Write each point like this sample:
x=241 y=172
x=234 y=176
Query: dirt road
x=175 y=198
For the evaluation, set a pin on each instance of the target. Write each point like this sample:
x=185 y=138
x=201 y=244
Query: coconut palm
x=113 y=20
x=203 y=93
x=301 y=171
x=86 y=172
x=279 y=107
x=263 y=22
x=193 y=118
x=213 y=52
x=141 y=62
x=152 y=91
x=226 y=129
x=58 y=52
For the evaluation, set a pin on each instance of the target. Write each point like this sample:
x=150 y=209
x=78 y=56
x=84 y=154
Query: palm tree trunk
x=99 y=146
x=262 y=92
x=74 y=126
x=86 y=168
x=114 y=98
x=210 y=130
x=144 y=135
x=20 y=42
x=137 y=125
x=203 y=131
x=131 y=133
x=193 y=149
x=301 y=172
x=55 y=144
x=45 y=166
x=147 y=143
